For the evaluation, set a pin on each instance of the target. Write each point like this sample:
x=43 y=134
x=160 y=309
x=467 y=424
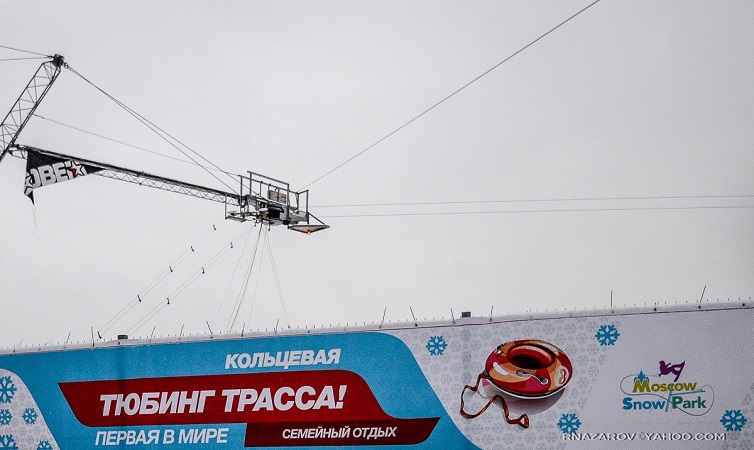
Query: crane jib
x=44 y=167
x=261 y=199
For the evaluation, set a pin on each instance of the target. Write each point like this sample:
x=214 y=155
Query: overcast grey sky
x=631 y=99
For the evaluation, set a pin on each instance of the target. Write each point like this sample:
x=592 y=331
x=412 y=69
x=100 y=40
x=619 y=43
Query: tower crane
x=260 y=198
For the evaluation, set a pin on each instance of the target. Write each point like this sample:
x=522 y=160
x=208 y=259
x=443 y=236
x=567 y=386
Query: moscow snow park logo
x=666 y=392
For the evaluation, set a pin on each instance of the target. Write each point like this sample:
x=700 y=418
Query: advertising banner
x=677 y=379
x=43 y=170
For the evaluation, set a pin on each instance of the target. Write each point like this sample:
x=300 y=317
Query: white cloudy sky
x=647 y=103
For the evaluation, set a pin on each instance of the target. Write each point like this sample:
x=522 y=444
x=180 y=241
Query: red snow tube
x=525 y=369
x=528 y=368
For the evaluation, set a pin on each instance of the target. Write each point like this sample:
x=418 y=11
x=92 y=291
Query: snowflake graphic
x=7 y=442
x=44 y=445
x=5 y=417
x=436 y=345
x=569 y=423
x=607 y=335
x=7 y=390
x=733 y=420
x=30 y=416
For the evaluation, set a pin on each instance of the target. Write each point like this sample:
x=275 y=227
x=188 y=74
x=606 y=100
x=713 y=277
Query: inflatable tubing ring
x=528 y=368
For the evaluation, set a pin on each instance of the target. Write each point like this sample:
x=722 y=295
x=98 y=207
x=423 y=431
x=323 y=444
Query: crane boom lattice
x=261 y=199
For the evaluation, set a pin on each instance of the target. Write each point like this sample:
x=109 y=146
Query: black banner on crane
x=43 y=170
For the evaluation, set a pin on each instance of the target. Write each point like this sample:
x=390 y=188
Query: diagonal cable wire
x=154 y=283
x=449 y=96
x=23 y=59
x=277 y=281
x=232 y=277
x=130 y=145
x=247 y=277
x=254 y=294
x=154 y=128
x=539 y=200
x=25 y=51
x=173 y=295
x=525 y=211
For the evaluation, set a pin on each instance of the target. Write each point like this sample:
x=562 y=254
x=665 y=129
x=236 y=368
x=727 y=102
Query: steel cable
x=451 y=95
